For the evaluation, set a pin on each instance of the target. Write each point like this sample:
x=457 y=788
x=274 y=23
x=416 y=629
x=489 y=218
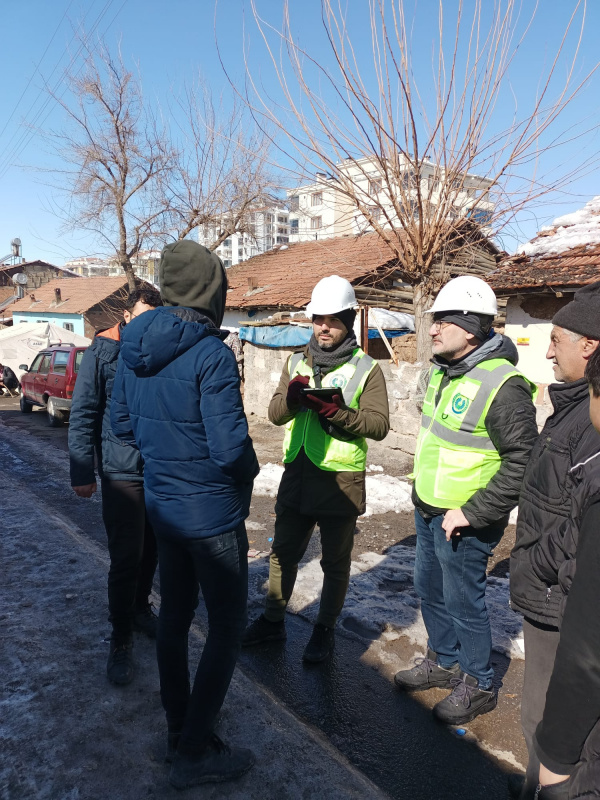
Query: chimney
x=252 y=283
x=57 y=297
x=32 y=296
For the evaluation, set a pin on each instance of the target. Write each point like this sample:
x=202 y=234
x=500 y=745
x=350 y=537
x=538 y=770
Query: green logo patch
x=339 y=382
x=460 y=403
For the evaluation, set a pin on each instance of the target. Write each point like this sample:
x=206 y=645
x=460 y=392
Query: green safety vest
x=455 y=455
x=326 y=452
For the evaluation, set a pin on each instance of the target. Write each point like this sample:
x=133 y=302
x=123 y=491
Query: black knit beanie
x=479 y=325
x=582 y=314
x=347 y=317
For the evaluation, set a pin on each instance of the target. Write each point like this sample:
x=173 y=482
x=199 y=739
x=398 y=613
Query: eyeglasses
x=438 y=325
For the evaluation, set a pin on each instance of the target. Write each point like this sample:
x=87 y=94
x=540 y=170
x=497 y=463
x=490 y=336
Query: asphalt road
x=391 y=737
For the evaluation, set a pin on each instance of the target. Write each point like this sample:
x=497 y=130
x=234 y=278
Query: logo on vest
x=339 y=381
x=460 y=403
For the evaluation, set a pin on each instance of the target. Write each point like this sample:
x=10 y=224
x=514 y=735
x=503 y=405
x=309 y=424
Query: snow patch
x=579 y=228
x=384 y=492
x=382 y=602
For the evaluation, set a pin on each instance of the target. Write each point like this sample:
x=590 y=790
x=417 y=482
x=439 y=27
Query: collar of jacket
x=565 y=394
x=191 y=315
x=113 y=333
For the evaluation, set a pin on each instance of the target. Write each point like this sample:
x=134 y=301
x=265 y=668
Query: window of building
x=69 y=326
x=294 y=202
x=481 y=216
x=315 y=223
x=316 y=199
x=374 y=187
x=282 y=240
x=282 y=219
x=294 y=226
x=375 y=212
x=407 y=179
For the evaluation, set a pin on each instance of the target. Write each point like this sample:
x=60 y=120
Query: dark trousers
x=132 y=550
x=541 y=642
x=219 y=566
x=292 y=535
x=450 y=579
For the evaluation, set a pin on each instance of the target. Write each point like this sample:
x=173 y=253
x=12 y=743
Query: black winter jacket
x=547 y=501
x=511 y=425
x=568 y=737
x=89 y=422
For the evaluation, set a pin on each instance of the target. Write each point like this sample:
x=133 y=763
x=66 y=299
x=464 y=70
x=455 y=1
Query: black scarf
x=330 y=359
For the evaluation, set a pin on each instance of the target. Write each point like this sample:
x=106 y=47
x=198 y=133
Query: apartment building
x=319 y=210
x=145 y=266
x=267 y=228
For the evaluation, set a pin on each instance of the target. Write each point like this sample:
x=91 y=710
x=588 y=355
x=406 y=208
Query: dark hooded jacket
x=89 y=421
x=177 y=395
x=548 y=499
x=511 y=425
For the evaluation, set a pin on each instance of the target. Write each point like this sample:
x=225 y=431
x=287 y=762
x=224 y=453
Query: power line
x=35 y=69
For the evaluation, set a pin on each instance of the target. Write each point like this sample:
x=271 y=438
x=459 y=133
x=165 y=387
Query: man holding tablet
x=331 y=397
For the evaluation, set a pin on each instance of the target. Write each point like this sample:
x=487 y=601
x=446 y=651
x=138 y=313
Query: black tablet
x=326 y=393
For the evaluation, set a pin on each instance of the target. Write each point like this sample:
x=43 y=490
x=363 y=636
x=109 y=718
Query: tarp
x=374 y=333
x=21 y=343
x=276 y=335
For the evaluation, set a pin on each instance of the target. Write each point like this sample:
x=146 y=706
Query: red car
x=50 y=381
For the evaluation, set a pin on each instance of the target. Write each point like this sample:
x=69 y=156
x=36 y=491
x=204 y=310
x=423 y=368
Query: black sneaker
x=426 y=674
x=217 y=763
x=320 y=644
x=263 y=630
x=465 y=702
x=120 y=668
x=145 y=621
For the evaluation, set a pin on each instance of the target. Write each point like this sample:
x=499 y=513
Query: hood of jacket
x=158 y=337
x=193 y=277
x=106 y=348
x=497 y=346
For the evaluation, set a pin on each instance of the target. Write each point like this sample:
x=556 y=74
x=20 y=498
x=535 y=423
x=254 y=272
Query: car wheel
x=25 y=405
x=55 y=417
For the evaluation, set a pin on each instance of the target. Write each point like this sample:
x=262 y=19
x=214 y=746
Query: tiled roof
x=77 y=295
x=572 y=268
x=286 y=276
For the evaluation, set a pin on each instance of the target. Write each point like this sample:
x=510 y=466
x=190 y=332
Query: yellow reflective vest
x=326 y=452
x=455 y=456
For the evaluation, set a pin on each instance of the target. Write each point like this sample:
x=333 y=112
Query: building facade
x=267 y=228
x=320 y=210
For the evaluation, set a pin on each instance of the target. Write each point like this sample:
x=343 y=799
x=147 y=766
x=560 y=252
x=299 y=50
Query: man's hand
x=548 y=778
x=85 y=491
x=453 y=520
x=294 y=392
x=326 y=408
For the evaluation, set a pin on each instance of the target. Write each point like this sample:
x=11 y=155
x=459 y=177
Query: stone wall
x=262 y=370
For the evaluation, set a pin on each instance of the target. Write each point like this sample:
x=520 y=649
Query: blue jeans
x=450 y=579
x=219 y=566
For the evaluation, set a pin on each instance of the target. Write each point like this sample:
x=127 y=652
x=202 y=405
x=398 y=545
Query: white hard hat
x=466 y=293
x=330 y=296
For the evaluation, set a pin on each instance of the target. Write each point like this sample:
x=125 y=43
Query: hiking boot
x=145 y=621
x=217 y=762
x=263 y=630
x=465 y=702
x=120 y=668
x=172 y=743
x=426 y=674
x=320 y=644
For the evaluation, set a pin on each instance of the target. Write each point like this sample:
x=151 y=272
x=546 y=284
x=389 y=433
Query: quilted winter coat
x=177 y=395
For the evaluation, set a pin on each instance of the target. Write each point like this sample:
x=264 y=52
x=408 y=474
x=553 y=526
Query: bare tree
x=115 y=153
x=222 y=171
x=405 y=159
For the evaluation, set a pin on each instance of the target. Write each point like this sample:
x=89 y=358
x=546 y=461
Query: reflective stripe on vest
x=305 y=430
x=455 y=456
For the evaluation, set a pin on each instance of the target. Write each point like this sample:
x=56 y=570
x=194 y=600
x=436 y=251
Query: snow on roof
x=580 y=228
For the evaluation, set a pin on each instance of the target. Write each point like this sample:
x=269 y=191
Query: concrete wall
x=55 y=318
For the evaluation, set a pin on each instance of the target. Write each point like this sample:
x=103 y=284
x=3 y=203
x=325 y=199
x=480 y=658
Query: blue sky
x=172 y=42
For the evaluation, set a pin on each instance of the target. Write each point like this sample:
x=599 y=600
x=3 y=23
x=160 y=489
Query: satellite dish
x=20 y=278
